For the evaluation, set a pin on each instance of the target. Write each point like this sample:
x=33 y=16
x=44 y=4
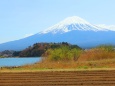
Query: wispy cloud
x=27 y=35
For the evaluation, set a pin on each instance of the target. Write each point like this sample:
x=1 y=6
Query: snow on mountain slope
x=109 y=27
x=72 y=23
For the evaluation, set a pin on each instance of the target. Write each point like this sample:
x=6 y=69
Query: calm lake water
x=18 y=61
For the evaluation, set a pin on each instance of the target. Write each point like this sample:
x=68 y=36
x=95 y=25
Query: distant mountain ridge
x=73 y=30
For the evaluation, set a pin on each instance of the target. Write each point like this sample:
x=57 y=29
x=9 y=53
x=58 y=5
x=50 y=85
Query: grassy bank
x=53 y=70
x=66 y=59
x=106 y=64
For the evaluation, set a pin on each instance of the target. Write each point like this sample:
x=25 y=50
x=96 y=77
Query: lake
x=18 y=61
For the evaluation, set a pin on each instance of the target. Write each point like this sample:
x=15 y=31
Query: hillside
x=38 y=49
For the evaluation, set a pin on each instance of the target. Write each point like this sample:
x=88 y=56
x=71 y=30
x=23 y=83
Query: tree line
x=38 y=49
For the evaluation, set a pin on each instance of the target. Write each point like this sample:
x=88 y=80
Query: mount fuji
x=74 y=30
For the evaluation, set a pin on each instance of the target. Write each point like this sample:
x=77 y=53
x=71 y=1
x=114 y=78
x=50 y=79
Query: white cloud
x=27 y=35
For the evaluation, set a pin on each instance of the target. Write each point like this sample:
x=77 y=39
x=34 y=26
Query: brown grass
x=93 y=58
x=106 y=63
x=53 y=65
x=96 y=54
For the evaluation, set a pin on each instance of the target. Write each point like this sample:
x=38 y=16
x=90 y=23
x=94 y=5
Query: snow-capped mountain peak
x=73 y=20
x=63 y=26
x=72 y=23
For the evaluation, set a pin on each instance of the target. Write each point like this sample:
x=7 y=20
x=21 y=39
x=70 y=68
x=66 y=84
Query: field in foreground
x=58 y=78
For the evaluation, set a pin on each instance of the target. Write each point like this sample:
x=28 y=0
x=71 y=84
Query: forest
x=39 y=49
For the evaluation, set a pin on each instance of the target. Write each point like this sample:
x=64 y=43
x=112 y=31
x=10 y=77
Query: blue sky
x=20 y=18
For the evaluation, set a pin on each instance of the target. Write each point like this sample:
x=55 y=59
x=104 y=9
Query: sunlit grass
x=96 y=58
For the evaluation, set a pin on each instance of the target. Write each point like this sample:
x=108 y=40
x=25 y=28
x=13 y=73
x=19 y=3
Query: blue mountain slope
x=84 y=39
